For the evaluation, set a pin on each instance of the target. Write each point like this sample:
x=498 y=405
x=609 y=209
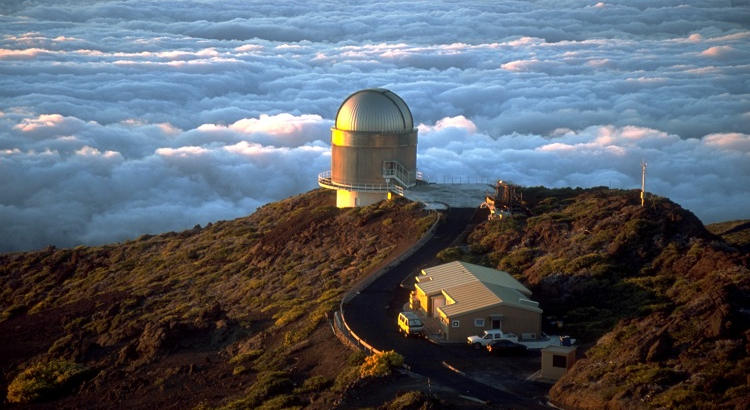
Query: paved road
x=372 y=316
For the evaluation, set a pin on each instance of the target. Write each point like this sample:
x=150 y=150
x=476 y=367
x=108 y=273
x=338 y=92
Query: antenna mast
x=643 y=183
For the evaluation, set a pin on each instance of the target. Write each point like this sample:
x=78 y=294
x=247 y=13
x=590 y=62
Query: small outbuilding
x=468 y=299
x=556 y=360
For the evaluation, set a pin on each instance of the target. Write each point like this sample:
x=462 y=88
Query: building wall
x=436 y=301
x=424 y=300
x=549 y=370
x=514 y=320
x=357 y=157
x=350 y=199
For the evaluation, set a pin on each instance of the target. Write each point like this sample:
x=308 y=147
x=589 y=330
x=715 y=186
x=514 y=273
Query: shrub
x=450 y=254
x=345 y=378
x=356 y=358
x=42 y=380
x=13 y=311
x=379 y=364
x=239 y=370
x=267 y=385
x=424 y=223
x=287 y=316
x=411 y=400
x=642 y=373
x=247 y=356
x=582 y=262
x=518 y=260
x=286 y=402
x=313 y=384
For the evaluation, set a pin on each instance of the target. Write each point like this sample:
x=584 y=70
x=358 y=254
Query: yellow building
x=468 y=299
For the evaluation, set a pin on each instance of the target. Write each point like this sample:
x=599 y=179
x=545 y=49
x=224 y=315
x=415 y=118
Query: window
x=479 y=322
x=559 y=361
x=455 y=323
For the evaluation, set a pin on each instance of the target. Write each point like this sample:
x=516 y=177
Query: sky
x=120 y=118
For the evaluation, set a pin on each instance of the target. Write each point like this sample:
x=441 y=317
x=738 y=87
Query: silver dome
x=374 y=110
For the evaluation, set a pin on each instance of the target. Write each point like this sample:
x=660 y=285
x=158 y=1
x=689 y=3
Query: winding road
x=371 y=314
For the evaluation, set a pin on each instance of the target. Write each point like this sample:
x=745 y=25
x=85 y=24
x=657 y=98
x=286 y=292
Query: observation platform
x=441 y=196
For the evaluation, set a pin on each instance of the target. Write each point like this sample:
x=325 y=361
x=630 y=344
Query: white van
x=410 y=324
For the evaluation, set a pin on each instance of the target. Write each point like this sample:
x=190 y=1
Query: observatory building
x=373 y=149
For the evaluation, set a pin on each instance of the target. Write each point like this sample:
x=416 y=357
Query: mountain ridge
x=234 y=312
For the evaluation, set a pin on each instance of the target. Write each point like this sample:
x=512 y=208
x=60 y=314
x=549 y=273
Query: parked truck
x=490 y=336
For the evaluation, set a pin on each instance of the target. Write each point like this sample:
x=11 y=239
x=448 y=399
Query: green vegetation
x=450 y=254
x=313 y=384
x=380 y=364
x=412 y=400
x=657 y=293
x=735 y=233
x=235 y=300
x=44 y=380
x=268 y=385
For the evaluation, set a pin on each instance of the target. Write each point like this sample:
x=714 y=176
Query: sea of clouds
x=119 y=118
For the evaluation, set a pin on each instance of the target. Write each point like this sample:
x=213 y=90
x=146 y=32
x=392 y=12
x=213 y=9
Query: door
x=496 y=324
x=437 y=301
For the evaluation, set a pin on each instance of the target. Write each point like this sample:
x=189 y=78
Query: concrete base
x=351 y=199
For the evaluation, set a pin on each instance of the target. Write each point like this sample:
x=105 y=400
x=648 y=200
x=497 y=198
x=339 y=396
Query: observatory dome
x=374 y=110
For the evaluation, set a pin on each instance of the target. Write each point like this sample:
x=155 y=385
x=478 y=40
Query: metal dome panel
x=374 y=110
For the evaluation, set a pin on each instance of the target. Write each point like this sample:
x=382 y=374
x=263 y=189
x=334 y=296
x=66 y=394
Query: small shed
x=556 y=360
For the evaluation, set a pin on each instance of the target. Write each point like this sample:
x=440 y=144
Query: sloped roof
x=449 y=274
x=474 y=287
x=469 y=296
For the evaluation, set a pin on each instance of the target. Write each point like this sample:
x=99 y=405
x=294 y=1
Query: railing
x=397 y=180
x=393 y=169
x=348 y=334
x=325 y=181
x=340 y=328
x=458 y=179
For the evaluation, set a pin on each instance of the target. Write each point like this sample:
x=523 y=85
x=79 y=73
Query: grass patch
x=45 y=380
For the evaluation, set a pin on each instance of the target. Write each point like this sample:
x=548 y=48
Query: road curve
x=371 y=314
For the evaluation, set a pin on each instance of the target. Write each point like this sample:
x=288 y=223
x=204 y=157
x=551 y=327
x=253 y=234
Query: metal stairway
x=397 y=180
x=397 y=177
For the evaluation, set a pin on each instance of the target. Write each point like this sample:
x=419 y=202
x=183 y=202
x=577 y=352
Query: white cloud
x=125 y=117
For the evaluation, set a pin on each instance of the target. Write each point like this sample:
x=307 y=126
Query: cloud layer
x=119 y=118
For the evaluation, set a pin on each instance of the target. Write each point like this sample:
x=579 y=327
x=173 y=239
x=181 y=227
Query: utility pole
x=643 y=184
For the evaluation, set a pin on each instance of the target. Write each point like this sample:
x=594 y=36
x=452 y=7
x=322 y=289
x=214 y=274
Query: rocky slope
x=231 y=314
x=664 y=302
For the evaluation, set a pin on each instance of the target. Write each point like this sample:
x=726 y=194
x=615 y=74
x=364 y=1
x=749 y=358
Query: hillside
x=662 y=300
x=735 y=233
x=230 y=314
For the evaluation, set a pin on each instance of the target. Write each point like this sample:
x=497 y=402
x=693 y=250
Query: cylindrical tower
x=373 y=148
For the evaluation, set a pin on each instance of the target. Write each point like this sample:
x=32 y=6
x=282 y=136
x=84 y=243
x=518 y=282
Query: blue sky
x=119 y=118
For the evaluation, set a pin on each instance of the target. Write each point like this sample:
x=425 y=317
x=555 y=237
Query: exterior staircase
x=397 y=180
